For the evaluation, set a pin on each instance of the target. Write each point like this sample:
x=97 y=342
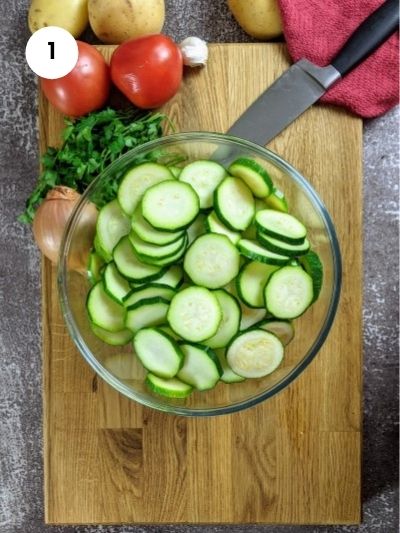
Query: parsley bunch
x=90 y=144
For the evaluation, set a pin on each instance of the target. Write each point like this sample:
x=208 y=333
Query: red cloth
x=317 y=29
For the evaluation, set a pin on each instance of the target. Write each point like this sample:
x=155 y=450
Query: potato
x=115 y=21
x=72 y=15
x=259 y=18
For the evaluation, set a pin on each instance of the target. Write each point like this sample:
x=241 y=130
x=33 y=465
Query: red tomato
x=85 y=88
x=148 y=70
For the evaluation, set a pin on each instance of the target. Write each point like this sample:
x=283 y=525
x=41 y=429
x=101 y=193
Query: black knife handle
x=368 y=36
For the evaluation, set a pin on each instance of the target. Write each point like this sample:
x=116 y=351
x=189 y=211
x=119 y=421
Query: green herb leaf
x=91 y=143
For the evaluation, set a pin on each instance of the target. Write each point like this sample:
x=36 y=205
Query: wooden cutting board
x=294 y=459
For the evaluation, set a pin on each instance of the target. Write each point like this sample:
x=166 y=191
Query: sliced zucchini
x=99 y=250
x=254 y=176
x=170 y=332
x=171 y=388
x=136 y=182
x=158 y=352
x=250 y=233
x=115 y=338
x=281 y=226
x=196 y=229
x=289 y=292
x=171 y=205
x=229 y=325
x=250 y=316
x=95 y=265
x=103 y=310
x=194 y=314
x=313 y=266
x=149 y=234
x=170 y=259
x=234 y=204
x=146 y=251
x=255 y=353
x=115 y=285
x=201 y=367
x=214 y=225
x=251 y=281
x=175 y=171
x=281 y=247
x=212 y=261
x=151 y=290
x=276 y=200
x=131 y=267
x=228 y=375
x=112 y=224
x=146 y=313
x=253 y=250
x=204 y=177
x=172 y=277
x=283 y=329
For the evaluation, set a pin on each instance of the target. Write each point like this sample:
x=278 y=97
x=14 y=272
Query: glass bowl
x=120 y=368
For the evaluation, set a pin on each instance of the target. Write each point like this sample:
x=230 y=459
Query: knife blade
x=304 y=83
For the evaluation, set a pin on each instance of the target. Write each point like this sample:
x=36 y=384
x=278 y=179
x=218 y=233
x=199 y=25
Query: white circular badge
x=52 y=52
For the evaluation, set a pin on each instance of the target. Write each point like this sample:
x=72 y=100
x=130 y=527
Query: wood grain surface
x=294 y=459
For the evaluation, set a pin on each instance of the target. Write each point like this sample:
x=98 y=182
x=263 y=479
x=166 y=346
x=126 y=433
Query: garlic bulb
x=194 y=52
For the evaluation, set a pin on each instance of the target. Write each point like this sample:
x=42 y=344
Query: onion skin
x=50 y=221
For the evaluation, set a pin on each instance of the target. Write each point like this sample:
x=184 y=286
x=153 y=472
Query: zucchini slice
x=254 y=176
x=103 y=310
x=204 y=177
x=112 y=224
x=114 y=338
x=171 y=388
x=281 y=226
x=229 y=325
x=175 y=171
x=147 y=251
x=201 y=368
x=170 y=259
x=212 y=261
x=131 y=267
x=158 y=352
x=95 y=266
x=253 y=250
x=255 y=353
x=312 y=264
x=277 y=200
x=281 y=247
x=170 y=206
x=173 y=277
x=251 y=281
x=196 y=228
x=283 y=329
x=194 y=314
x=151 y=290
x=136 y=182
x=170 y=332
x=146 y=313
x=234 y=204
x=250 y=316
x=149 y=234
x=115 y=285
x=228 y=375
x=214 y=225
x=289 y=292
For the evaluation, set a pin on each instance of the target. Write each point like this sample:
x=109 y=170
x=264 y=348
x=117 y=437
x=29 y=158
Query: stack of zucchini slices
x=203 y=269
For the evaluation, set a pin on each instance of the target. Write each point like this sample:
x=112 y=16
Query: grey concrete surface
x=21 y=470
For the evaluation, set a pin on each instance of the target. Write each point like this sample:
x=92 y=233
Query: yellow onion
x=51 y=219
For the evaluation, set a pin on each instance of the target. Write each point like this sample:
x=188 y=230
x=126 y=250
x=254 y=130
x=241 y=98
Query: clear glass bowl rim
x=152 y=402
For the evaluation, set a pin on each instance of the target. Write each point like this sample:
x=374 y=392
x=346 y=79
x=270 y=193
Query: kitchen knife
x=304 y=83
